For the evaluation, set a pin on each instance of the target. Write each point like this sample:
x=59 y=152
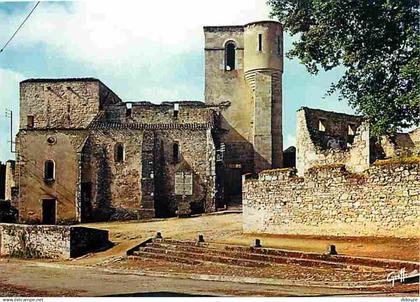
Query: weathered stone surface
x=91 y=182
x=383 y=201
x=34 y=241
x=324 y=137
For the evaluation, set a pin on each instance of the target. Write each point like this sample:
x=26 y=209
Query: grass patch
x=326 y=167
x=398 y=161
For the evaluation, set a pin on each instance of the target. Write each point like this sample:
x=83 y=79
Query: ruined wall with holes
x=324 y=137
x=62 y=103
x=399 y=145
x=330 y=201
x=32 y=241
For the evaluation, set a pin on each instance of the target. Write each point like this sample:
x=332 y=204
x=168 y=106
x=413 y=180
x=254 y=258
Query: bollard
x=332 y=250
x=200 y=238
x=257 y=243
x=158 y=235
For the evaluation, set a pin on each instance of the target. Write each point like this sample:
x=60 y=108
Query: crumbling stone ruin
x=84 y=154
x=346 y=183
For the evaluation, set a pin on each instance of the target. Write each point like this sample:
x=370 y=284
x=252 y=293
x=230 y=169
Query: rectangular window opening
x=278 y=45
x=30 y=121
x=175 y=152
x=128 y=109
x=176 y=110
x=322 y=125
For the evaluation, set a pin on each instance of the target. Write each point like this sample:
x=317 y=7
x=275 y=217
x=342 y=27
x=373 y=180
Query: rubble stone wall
x=330 y=201
x=62 y=103
x=334 y=144
x=40 y=241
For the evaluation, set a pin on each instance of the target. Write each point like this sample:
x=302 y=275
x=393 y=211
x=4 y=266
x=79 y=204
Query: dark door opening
x=233 y=187
x=48 y=211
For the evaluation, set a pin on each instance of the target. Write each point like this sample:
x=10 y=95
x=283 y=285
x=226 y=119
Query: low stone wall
x=383 y=201
x=40 y=241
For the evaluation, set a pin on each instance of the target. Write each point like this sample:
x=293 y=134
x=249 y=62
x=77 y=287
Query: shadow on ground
x=157 y=294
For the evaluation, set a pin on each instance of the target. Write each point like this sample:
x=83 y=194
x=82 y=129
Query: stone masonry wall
x=35 y=241
x=10 y=179
x=334 y=144
x=34 y=149
x=329 y=201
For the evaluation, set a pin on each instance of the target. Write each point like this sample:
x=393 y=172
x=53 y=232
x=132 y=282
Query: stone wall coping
x=307 y=109
x=325 y=171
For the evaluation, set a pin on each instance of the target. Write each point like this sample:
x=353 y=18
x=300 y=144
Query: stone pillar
x=262 y=125
x=10 y=179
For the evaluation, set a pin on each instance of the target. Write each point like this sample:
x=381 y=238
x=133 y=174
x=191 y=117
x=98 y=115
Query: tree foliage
x=377 y=42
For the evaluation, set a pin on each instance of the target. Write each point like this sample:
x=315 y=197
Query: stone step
x=247 y=255
x=146 y=255
x=207 y=257
x=342 y=259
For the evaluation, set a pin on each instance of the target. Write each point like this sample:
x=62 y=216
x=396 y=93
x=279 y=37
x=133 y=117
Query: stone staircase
x=195 y=253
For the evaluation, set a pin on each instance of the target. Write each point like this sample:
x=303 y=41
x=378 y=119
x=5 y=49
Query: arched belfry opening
x=230 y=49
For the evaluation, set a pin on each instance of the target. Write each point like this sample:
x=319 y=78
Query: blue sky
x=143 y=50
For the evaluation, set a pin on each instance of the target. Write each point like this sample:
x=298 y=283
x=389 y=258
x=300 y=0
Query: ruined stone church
x=84 y=154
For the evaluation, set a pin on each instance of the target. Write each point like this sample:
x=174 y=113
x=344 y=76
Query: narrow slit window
x=49 y=170
x=322 y=125
x=119 y=153
x=278 y=45
x=30 y=121
x=230 y=50
x=175 y=152
x=260 y=42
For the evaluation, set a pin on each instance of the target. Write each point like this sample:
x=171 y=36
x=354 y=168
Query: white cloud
x=9 y=96
x=111 y=33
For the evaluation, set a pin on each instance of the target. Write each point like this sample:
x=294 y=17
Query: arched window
x=230 y=49
x=175 y=152
x=49 y=170
x=119 y=153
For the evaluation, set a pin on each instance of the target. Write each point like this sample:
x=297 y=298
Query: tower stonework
x=249 y=78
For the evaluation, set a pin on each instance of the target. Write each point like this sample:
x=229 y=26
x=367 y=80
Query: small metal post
x=332 y=250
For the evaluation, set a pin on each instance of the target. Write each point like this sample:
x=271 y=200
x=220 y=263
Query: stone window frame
x=49 y=170
x=119 y=153
x=30 y=121
x=227 y=43
x=322 y=125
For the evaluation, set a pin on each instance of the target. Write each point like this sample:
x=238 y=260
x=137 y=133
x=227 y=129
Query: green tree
x=377 y=42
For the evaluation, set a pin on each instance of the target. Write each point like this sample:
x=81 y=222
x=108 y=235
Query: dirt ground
x=26 y=278
x=227 y=228
x=107 y=273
